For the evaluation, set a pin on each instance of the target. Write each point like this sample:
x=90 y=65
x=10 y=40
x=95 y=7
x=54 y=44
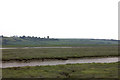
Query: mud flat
x=58 y=62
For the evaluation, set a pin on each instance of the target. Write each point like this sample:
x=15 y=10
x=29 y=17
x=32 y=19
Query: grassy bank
x=37 y=41
x=58 y=53
x=89 y=70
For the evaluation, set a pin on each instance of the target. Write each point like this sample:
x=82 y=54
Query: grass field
x=85 y=70
x=89 y=70
x=88 y=48
x=58 y=53
x=33 y=41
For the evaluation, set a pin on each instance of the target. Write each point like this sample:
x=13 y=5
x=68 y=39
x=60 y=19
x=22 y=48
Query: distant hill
x=37 y=41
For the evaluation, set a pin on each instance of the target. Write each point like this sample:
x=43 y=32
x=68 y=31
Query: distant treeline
x=47 y=38
x=38 y=41
x=24 y=40
x=29 y=37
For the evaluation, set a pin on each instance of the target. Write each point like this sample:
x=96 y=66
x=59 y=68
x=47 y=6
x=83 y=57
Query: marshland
x=57 y=58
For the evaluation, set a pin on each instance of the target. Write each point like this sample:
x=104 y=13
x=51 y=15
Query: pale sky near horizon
x=60 y=18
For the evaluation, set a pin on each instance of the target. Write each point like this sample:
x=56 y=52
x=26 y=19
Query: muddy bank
x=57 y=58
x=58 y=62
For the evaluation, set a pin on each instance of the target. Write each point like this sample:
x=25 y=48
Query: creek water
x=58 y=62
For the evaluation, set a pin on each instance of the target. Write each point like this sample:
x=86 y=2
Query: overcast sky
x=60 y=18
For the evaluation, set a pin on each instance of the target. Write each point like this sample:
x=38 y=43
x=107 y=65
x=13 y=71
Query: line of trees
x=29 y=37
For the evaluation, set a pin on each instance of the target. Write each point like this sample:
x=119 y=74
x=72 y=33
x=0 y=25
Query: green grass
x=88 y=70
x=22 y=42
x=58 y=53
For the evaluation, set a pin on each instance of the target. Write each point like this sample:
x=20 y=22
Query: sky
x=96 y=19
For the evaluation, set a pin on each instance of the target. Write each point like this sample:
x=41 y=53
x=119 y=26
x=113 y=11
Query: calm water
x=58 y=62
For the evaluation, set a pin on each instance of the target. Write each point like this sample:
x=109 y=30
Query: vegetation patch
x=88 y=70
x=57 y=53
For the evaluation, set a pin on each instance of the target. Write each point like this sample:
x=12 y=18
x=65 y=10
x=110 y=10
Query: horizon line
x=59 y=38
